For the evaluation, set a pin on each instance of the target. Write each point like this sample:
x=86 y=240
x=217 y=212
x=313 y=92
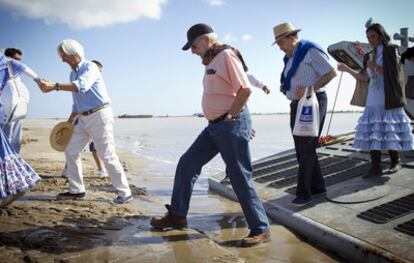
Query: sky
x=139 y=43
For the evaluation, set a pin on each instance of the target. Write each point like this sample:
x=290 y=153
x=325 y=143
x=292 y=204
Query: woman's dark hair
x=10 y=52
x=385 y=38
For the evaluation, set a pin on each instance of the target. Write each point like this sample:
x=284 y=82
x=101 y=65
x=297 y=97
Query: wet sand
x=39 y=228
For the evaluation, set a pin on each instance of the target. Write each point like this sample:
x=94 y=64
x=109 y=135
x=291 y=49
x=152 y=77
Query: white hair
x=212 y=37
x=71 y=47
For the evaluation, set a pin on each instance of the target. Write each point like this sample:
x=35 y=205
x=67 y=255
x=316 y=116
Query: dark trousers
x=310 y=179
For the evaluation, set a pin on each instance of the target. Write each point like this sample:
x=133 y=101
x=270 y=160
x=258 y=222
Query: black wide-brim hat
x=194 y=32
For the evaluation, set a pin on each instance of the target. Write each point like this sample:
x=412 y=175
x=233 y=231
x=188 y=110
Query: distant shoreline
x=192 y=115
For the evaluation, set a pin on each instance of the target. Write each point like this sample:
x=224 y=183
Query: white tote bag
x=307 y=115
x=14 y=97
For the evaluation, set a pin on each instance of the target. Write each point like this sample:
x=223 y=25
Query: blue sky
x=139 y=43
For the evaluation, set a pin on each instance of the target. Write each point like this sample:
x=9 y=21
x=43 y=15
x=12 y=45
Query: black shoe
x=69 y=195
x=318 y=193
x=394 y=168
x=300 y=201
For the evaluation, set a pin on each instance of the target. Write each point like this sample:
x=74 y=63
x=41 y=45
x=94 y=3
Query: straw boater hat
x=283 y=30
x=60 y=135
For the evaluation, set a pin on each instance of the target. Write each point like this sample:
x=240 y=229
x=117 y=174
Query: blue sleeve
x=87 y=77
x=18 y=67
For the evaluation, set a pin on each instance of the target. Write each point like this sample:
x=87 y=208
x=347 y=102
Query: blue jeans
x=13 y=133
x=310 y=179
x=231 y=140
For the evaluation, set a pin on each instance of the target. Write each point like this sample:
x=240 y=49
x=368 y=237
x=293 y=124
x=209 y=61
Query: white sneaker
x=102 y=173
x=64 y=172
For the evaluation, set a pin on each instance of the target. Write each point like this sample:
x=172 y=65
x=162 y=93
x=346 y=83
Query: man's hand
x=252 y=134
x=342 y=67
x=72 y=117
x=46 y=85
x=266 y=89
x=300 y=91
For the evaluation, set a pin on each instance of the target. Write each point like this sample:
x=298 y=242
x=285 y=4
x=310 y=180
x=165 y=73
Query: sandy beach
x=39 y=228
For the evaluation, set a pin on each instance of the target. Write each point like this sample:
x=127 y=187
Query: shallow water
x=163 y=140
x=216 y=224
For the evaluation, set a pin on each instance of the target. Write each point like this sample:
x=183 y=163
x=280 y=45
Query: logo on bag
x=306 y=114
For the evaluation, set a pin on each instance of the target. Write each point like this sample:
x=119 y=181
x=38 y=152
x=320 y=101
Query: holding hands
x=46 y=85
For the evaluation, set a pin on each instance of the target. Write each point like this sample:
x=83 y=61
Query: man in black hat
x=226 y=90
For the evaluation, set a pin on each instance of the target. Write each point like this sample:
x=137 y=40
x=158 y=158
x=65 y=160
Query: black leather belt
x=86 y=113
x=222 y=117
x=219 y=119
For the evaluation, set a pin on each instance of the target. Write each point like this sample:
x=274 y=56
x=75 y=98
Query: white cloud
x=81 y=14
x=216 y=2
x=247 y=37
x=229 y=38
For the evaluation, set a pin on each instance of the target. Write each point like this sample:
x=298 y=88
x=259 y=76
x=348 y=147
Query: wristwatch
x=57 y=86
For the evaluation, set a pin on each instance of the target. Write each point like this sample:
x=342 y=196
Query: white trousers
x=96 y=127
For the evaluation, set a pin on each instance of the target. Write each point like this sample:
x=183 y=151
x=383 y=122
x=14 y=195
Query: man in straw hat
x=91 y=105
x=306 y=65
x=226 y=90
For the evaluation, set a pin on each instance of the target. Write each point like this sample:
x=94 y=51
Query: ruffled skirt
x=16 y=175
x=380 y=129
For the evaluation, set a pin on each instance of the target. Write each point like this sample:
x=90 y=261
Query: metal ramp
x=333 y=222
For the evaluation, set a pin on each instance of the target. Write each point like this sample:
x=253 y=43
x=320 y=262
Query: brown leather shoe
x=169 y=221
x=253 y=240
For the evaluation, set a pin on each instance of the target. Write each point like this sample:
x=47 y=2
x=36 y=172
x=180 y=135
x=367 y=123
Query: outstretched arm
x=46 y=86
x=356 y=74
x=258 y=83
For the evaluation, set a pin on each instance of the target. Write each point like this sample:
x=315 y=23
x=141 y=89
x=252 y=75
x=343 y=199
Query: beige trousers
x=96 y=127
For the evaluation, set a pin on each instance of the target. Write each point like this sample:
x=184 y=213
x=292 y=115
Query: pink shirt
x=223 y=77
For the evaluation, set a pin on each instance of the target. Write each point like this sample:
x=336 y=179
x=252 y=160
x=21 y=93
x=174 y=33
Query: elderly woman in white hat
x=91 y=105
